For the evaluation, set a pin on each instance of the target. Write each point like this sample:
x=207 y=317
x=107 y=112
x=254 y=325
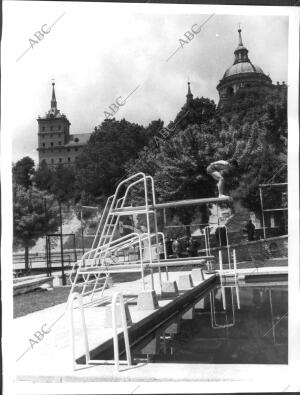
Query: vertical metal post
x=262 y=212
x=221 y=280
x=70 y=302
x=74 y=245
x=62 y=248
x=81 y=225
x=115 y=329
x=235 y=279
x=148 y=230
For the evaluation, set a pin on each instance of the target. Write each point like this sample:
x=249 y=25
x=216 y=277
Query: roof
x=78 y=139
x=242 y=67
x=53 y=114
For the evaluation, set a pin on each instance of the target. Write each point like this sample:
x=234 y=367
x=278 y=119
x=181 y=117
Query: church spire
x=53 y=100
x=189 y=96
x=240 y=37
x=241 y=53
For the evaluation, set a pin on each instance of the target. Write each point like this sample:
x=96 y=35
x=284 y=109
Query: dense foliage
x=23 y=172
x=251 y=128
x=102 y=163
x=35 y=213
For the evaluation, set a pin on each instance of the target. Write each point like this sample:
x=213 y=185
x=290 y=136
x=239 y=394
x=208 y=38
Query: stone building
x=55 y=143
x=242 y=74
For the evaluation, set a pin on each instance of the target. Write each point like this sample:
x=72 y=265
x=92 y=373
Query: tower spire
x=241 y=53
x=189 y=96
x=240 y=36
x=53 y=99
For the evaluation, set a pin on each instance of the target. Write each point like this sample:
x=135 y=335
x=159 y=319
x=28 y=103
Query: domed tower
x=241 y=74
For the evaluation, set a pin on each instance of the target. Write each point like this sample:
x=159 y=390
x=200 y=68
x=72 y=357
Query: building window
x=60 y=160
x=69 y=159
x=76 y=149
x=59 y=150
x=43 y=128
x=52 y=150
x=51 y=128
x=43 y=144
x=76 y=139
x=52 y=161
x=43 y=136
x=68 y=149
x=59 y=143
x=59 y=127
x=51 y=144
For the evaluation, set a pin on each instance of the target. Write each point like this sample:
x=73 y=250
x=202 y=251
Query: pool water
x=214 y=330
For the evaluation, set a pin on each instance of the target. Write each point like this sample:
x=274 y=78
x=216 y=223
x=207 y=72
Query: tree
x=179 y=169
x=253 y=129
x=102 y=163
x=64 y=183
x=23 y=172
x=198 y=111
x=60 y=181
x=43 y=178
x=35 y=214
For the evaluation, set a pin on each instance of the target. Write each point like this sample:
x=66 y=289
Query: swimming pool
x=213 y=332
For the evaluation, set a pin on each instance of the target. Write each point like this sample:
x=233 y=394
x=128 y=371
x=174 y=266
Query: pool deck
x=49 y=360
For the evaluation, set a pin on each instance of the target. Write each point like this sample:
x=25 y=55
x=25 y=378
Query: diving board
x=178 y=203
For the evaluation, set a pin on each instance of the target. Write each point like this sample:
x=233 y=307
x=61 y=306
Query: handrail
x=115 y=330
x=124 y=182
x=213 y=311
x=104 y=245
x=70 y=302
x=101 y=221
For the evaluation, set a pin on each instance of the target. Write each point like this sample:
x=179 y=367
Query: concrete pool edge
x=163 y=372
x=147 y=324
x=158 y=373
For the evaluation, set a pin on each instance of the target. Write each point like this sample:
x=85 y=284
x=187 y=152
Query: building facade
x=55 y=143
x=242 y=74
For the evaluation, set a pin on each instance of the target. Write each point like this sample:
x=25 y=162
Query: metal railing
x=70 y=309
x=119 y=296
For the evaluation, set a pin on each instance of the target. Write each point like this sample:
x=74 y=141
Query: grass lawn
x=39 y=300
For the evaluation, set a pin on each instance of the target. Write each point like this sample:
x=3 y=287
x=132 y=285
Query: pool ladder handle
x=88 y=359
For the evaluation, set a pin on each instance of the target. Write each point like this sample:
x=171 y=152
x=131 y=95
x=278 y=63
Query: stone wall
x=274 y=247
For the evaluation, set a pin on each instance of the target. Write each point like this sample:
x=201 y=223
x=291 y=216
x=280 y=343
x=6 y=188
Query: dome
x=242 y=67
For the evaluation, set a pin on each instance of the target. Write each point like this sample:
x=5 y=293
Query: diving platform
x=94 y=270
x=137 y=267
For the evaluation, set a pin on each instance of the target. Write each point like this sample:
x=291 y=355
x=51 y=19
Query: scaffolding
x=284 y=201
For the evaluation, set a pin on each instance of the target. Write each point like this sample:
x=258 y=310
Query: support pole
x=262 y=212
x=82 y=238
x=62 y=248
x=221 y=280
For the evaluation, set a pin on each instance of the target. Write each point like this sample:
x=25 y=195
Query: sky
x=99 y=52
